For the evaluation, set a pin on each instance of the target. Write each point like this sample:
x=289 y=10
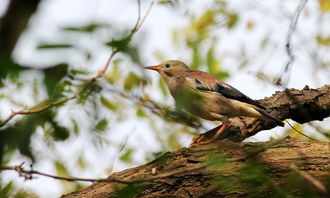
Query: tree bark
x=231 y=169
x=294 y=167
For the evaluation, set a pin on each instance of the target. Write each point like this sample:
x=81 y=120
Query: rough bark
x=228 y=169
x=185 y=173
x=301 y=106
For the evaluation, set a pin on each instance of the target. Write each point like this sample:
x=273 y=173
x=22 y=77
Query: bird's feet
x=198 y=139
x=204 y=139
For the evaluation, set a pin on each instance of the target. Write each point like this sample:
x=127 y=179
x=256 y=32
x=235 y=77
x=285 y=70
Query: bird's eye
x=167 y=65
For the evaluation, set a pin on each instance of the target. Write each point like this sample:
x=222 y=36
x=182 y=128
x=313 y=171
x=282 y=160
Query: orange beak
x=156 y=68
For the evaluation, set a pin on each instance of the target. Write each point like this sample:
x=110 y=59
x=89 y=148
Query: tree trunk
x=230 y=169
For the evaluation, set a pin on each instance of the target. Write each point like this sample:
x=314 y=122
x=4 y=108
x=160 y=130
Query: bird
x=208 y=97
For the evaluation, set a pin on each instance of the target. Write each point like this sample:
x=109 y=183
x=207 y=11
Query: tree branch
x=213 y=170
x=301 y=106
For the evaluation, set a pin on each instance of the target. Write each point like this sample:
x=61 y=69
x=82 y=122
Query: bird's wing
x=206 y=82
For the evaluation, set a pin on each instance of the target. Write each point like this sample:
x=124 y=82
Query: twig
x=28 y=175
x=90 y=81
x=122 y=146
x=292 y=28
x=301 y=133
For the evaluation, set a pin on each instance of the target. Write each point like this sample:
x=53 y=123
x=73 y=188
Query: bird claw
x=198 y=139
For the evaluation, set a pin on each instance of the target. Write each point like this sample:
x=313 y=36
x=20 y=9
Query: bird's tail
x=270 y=117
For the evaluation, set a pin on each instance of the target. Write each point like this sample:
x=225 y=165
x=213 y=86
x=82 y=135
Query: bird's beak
x=156 y=68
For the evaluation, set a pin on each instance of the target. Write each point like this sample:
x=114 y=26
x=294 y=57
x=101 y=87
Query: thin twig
x=28 y=175
x=90 y=81
x=292 y=28
x=301 y=133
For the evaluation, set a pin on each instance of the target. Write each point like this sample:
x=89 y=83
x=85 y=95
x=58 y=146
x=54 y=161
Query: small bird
x=207 y=97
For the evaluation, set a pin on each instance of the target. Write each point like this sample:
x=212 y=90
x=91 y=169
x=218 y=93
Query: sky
x=157 y=31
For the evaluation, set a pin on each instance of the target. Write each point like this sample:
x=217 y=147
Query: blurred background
x=50 y=48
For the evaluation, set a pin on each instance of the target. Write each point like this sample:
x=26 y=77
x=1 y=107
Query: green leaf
x=61 y=169
x=114 y=75
x=101 y=126
x=54 y=46
x=53 y=76
x=6 y=191
x=132 y=80
x=89 y=90
x=222 y=75
x=211 y=62
x=141 y=113
x=163 y=86
x=196 y=57
x=120 y=44
x=123 y=45
x=127 y=156
x=108 y=104
x=232 y=20
x=323 y=40
x=75 y=126
x=79 y=71
x=59 y=133
x=82 y=163
x=84 y=29
x=61 y=88
x=9 y=69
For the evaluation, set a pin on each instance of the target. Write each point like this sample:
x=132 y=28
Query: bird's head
x=170 y=68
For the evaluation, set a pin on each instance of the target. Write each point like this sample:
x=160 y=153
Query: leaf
x=232 y=20
x=163 y=86
x=293 y=133
x=114 y=75
x=53 y=76
x=54 y=46
x=222 y=75
x=323 y=40
x=127 y=156
x=250 y=25
x=132 y=80
x=59 y=133
x=6 y=191
x=324 y=5
x=211 y=63
x=61 y=169
x=121 y=45
x=84 y=29
x=196 y=58
x=89 y=90
x=60 y=88
x=9 y=69
x=75 y=126
x=101 y=126
x=141 y=113
x=82 y=162
x=79 y=71
x=109 y=105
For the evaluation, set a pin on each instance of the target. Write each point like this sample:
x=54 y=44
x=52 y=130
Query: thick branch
x=203 y=171
x=301 y=106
